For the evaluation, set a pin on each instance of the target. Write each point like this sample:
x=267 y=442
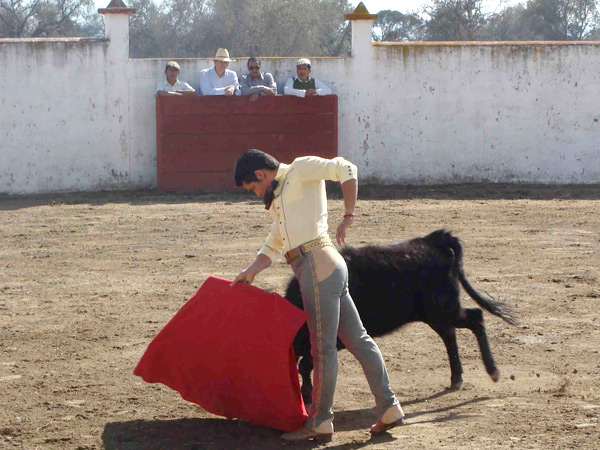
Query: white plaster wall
x=79 y=115
x=63 y=121
x=495 y=112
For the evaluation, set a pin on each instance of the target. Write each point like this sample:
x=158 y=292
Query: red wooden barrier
x=200 y=138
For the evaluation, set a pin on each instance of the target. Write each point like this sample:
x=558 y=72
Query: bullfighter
x=295 y=196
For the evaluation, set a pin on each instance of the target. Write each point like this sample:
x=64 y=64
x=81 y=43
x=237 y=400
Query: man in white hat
x=172 y=85
x=304 y=85
x=219 y=80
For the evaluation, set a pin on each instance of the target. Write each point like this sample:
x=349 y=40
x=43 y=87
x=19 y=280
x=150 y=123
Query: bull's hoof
x=456 y=385
x=495 y=375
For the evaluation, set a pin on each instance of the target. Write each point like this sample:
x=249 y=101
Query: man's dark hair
x=255 y=59
x=252 y=160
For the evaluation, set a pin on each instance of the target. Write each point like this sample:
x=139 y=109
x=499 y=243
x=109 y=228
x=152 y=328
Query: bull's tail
x=443 y=238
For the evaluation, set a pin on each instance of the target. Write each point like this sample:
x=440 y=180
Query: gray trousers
x=332 y=313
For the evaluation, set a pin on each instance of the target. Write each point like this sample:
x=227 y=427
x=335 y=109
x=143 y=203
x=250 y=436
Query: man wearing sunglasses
x=256 y=83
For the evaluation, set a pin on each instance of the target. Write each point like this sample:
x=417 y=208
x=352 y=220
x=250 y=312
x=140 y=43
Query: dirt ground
x=87 y=280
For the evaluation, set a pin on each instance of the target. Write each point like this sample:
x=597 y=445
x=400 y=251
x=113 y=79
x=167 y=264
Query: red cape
x=229 y=350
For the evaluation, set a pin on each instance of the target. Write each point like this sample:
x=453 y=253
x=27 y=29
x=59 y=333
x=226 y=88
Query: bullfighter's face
x=260 y=186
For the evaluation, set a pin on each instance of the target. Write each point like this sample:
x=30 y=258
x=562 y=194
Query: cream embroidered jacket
x=299 y=209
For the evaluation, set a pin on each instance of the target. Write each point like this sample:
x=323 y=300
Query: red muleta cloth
x=229 y=350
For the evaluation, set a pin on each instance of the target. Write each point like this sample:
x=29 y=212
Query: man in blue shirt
x=219 y=80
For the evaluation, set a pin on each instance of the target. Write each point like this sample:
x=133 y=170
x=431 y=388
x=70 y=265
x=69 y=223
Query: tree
x=396 y=26
x=455 y=20
x=43 y=18
x=196 y=28
x=278 y=27
x=547 y=20
x=563 y=19
x=510 y=24
x=148 y=30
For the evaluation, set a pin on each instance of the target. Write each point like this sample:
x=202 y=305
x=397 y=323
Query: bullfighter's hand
x=340 y=235
x=244 y=277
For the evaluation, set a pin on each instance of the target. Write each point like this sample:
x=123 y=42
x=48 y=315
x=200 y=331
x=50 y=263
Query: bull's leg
x=305 y=368
x=448 y=335
x=472 y=318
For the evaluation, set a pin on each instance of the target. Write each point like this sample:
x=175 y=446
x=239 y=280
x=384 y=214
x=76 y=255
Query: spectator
x=303 y=85
x=256 y=83
x=219 y=80
x=172 y=85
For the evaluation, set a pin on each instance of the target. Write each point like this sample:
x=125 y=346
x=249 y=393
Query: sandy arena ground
x=87 y=280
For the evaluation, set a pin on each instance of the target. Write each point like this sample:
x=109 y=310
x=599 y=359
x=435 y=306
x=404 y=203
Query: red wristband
x=349 y=215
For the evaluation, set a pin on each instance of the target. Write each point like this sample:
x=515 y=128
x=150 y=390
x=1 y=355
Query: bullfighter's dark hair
x=252 y=160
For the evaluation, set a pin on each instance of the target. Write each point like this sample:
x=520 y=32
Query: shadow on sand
x=464 y=191
x=222 y=434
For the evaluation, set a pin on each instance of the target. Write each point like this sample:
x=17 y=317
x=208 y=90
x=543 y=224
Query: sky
x=374 y=6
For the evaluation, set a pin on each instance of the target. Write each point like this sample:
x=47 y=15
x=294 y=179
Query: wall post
x=116 y=21
x=362 y=32
x=116 y=73
x=363 y=77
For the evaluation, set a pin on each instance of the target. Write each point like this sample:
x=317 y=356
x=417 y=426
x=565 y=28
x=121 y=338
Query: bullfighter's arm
x=270 y=251
x=350 y=191
x=313 y=168
x=260 y=263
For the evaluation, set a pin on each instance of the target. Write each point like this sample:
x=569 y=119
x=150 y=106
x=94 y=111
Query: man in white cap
x=219 y=80
x=303 y=85
x=172 y=85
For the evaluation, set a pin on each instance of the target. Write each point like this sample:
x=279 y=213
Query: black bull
x=412 y=281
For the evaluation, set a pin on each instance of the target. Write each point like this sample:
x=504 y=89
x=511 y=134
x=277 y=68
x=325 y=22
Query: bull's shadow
x=222 y=434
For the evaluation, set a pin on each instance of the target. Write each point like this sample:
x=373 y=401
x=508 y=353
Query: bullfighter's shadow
x=222 y=434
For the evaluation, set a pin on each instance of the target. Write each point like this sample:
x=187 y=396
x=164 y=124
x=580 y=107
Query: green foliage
x=562 y=19
x=396 y=26
x=466 y=20
x=455 y=20
x=46 y=18
x=196 y=28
